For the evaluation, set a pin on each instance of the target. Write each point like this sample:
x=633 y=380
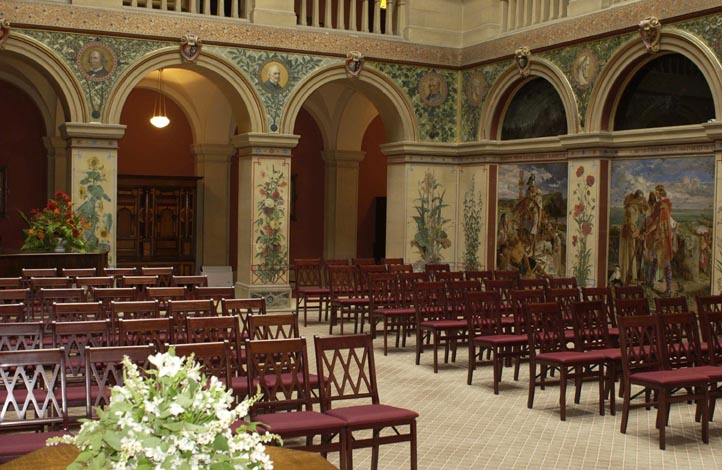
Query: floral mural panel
x=432 y=201
x=717 y=270
x=532 y=224
x=472 y=214
x=270 y=226
x=661 y=213
x=94 y=189
x=583 y=221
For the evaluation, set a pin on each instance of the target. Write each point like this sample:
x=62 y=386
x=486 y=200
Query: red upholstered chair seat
x=571 y=357
x=369 y=415
x=667 y=377
x=299 y=423
x=501 y=340
x=444 y=324
x=25 y=442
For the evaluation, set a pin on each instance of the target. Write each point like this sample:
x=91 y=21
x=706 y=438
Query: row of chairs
x=279 y=368
x=165 y=273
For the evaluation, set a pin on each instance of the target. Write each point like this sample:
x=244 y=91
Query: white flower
x=269 y=203
x=175 y=409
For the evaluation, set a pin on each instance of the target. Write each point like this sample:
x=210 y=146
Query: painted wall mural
x=473 y=217
x=271 y=243
x=661 y=213
x=532 y=224
x=584 y=181
x=476 y=85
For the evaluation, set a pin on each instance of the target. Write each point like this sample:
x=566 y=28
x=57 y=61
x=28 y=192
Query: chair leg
x=412 y=444
x=497 y=370
x=419 y=345
x=578 y=384
x=705 y=416
x=375 y=451
x=532 y=384
x=625 y=407
x=563 y=393
x=472 y=362
x=662 y=416
x=601 y=379
x=436 y=351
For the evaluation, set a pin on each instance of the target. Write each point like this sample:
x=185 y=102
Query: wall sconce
x=160 y=116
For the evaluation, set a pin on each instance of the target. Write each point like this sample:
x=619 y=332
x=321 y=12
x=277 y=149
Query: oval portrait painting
x=273 y=76
x=585 y=68
x=96 y=61
x=432 y=89
x=474 y=88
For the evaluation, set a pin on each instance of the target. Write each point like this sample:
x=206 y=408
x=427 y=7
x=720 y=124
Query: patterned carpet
x=468 y=427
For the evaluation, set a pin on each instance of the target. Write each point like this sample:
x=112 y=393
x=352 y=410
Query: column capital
x=260 y=144
x=92 y=135
x=219 y=153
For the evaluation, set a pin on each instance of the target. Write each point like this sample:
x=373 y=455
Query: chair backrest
x=483 y=313
x=519 y=299
x=241 y=308
x=681 y=346
x=407 y=281
x=11 y=282
x=308 y=272
x=214 y=357
x=392 y=261
x=51 y=296
x=219 y=329
x=74 y=337
x=545 y=326
x=21 y=336
x=77 y=311
x=276 y=326
x=400 y=268
x=179 y=310
x=33 y=389
x=430 y=301
x=14 y=296
x=709 y=304
x=364 y=271
x=432 y=269
x=139 y=283
x=602 y=294
x=12 y=313
x=482 y=276
x=665 y=305
x=118 y=273
x=27 y=273
x=631 y=307
x=215 y=294
x=628 y=292
x=156 y=331
x=456 y=294
x=279 y=368
x=342 y=281
x=37 y=283
x=189 y=283
x=501 y=286
x=164 y=273
x=532 y=284
x=507 y=275
x=565 y=298
x=639 y=338
x=711 y=326
x=91 y=282
x=591 y=330
x=164 y=294
x=448 y=276
x=104 y=370
x=105 y=295
x=563 y=283
x=140 y=310
x=347 y=365
x=78 y=272
x=384 y=291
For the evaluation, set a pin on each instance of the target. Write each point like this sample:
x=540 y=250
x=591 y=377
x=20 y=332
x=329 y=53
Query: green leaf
x=220 y=443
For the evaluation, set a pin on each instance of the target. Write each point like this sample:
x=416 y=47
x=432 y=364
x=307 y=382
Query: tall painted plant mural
x=431 y=236
x=271 y=251
x=583 y=216
x=92 y=206
x=472 y=227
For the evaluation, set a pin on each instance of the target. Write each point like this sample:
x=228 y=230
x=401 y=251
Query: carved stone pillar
x=264 y=178
x=58 y=164
x=213 y=164
x=341 y=203
x=93 y=150
x=273 y=12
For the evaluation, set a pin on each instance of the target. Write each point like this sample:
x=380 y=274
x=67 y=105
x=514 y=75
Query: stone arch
x=510 y=82
x=631 y=57
x=57 y=73
x=229 y=79
x=395 y=109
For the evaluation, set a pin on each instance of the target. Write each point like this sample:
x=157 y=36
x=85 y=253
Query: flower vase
x=60 y=246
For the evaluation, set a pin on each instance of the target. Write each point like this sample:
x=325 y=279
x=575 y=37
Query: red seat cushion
x=712 y=372
x=668 y=378
x=299 y=423
x=444 y=324
x=571 y=357
x=613 y=331
x=372 y=415
x=395 y=311
x=501 y=340
x=16 y=444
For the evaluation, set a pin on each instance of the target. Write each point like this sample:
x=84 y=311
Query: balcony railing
x=516 y=14
x=220 y=8
x=367 y=16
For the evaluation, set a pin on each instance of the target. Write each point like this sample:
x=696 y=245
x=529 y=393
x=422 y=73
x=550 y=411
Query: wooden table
x=59 y=457
x=11 y=264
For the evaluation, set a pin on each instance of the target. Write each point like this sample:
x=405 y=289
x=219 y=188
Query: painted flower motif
x=580 y=171
x=578 y=209
x=590 y=180
x=574 y=240
x=586 y=228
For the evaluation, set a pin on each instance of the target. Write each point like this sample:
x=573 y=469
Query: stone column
x=93 y=150
x=213 y=164
x=58 y=164
x=264 y=177
x=341 y=203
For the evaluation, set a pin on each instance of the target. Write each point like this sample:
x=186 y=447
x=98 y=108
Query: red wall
x=146 y=150
x=372 y=184
x=24 y=157
x=307 y=170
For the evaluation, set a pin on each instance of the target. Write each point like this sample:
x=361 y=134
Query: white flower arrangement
x=170 y=417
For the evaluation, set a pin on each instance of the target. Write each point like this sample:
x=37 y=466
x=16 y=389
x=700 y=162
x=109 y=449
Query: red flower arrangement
x=55 y=225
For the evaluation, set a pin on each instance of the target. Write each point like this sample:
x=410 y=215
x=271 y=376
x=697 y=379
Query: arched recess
x=509 y=83
x=395 y=110
x=46 y=64
x=631 y=57
x=246 y=107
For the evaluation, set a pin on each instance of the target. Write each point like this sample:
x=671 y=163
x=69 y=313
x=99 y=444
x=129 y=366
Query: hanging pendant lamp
x=160 y=116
